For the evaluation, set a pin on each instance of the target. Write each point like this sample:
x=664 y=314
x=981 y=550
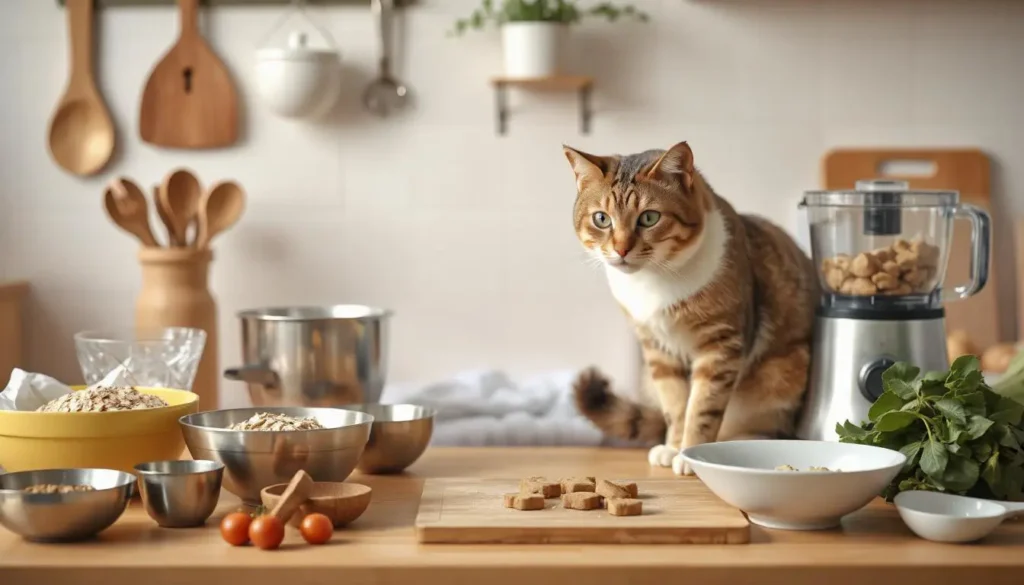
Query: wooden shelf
x=582 y=85
x=117 y=3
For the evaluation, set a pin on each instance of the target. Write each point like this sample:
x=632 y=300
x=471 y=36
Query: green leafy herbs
x=958 y=435
x=559 y=11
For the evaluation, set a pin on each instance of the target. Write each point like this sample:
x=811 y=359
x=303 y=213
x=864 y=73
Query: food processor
x=880 y=251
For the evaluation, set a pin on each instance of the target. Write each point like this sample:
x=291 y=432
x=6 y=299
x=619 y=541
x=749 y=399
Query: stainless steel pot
x=313 y=356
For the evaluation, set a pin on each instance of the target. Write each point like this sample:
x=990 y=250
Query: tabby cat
x=722 y=304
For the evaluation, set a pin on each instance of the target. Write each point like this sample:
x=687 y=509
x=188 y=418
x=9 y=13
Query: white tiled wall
x=465 y=234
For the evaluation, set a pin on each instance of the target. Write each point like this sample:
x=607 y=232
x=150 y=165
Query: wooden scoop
x=189 y=100
x=219 y=209
x=294 y=496
x=81 y=134
x=126 y=205
x=178 y=204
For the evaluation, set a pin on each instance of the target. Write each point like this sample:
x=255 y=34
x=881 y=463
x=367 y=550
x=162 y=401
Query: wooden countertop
x=380 y=548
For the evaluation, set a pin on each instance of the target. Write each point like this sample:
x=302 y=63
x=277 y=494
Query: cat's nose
x=622 y=251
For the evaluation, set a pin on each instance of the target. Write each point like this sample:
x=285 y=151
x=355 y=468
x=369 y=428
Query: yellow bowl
x=110 y=440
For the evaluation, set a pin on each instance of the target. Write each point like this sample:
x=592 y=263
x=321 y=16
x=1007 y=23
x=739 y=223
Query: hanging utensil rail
x=116 y=3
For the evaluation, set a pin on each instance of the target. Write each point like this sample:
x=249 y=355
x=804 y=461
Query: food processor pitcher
x=881 y=252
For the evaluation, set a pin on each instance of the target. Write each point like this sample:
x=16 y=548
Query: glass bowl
x=152 y=357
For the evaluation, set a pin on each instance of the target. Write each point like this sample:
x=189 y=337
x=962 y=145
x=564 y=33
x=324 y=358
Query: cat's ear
x=676 y=162
x=586 y=166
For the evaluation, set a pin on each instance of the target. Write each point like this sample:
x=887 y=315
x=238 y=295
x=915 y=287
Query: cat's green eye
x=648 y=218
x=601 y=220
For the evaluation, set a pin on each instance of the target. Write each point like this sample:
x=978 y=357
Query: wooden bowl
x=342 y=502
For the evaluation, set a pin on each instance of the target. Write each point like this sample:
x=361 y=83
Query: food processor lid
x=881 y=193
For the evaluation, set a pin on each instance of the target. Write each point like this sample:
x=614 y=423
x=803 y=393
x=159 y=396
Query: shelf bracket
x=501 y=106
x=583 y=86
x=586 y=111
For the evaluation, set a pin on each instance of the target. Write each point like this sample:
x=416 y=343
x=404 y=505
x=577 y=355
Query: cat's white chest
x=646 y=295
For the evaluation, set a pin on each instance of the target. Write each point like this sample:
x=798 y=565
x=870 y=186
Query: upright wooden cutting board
x=675 y=511
x=963 y=170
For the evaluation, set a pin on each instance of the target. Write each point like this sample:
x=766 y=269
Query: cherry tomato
x=234 y=528
x=266 y=532
x=316 y=528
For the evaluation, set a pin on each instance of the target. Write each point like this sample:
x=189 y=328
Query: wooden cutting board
x=675 y=511
x=963 y=170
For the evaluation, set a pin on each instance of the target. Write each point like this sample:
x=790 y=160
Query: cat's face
x=638 y=211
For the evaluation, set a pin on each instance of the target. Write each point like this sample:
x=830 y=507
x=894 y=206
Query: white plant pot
x=533 y=49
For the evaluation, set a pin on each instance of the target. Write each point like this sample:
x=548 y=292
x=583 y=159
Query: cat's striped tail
x=614 y=415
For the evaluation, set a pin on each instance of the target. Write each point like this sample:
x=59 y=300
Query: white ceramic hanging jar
x=298 y=81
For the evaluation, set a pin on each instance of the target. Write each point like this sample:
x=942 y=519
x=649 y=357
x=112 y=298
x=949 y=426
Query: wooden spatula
x=189 y=100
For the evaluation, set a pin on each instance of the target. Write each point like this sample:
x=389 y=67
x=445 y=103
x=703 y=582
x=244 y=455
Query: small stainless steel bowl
x=255 y=459
x=400 y=434
x=180 y=494
x=63 y=517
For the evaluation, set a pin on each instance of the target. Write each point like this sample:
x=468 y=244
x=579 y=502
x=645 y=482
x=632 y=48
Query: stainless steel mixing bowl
x=313 y=356
x=68 y=516
x=400 y=434
x=255 y=459
x=180 y=494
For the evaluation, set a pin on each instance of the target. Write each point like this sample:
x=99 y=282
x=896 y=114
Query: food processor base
x=848 y=358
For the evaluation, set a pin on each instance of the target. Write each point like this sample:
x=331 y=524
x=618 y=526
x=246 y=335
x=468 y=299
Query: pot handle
x=981 y=238
x=253 y=375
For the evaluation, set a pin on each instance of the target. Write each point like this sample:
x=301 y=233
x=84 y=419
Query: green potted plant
x=533 y=32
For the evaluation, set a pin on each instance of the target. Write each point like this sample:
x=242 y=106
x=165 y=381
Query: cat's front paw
x=661 y=456
x=680 y=466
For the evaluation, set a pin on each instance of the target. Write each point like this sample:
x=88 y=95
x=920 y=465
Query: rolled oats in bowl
x=103 y=400
x=55 y=488
x=265 y=421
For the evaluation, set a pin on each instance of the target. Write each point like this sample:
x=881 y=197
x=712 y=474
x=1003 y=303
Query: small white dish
x=951 y=518
x=744 y=475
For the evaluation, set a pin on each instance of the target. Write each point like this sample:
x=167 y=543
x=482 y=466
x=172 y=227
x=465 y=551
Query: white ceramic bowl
x=744 y=475
x=296 y=81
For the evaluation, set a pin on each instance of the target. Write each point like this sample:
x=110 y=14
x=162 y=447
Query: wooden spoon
x=126 y=206
x=219 y=209
x=81 y=134
x=178 y=203
x=294 y=495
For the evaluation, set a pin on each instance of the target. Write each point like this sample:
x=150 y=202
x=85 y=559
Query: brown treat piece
x=883 y=255
x=540 y=485
x=928 y=255
x=863 y=286
x=524 y=501
x=864 y=265
x=625 y=507
x=900 y=244
x=827 y=264
x=581 y=501
x=906 y=260
x=841 y=261
x=631 y=488
x=929 y=274
x=610 y=490
x=835 y=278
x=892 y=268
x=914 y=277
x=847 y=287
x=885 y=281
x=578 y=484
x=903 y=289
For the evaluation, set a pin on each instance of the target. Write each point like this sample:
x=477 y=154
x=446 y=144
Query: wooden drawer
x=13 y=296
